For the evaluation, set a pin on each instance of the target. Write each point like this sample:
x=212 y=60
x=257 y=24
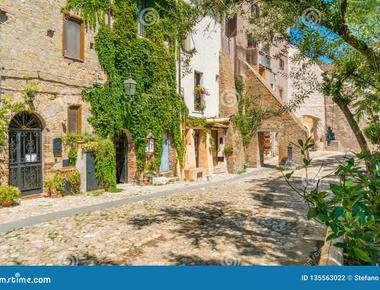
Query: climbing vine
x=150 y=60
x=249 y=118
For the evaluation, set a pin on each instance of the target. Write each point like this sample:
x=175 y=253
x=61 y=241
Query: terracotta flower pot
x=55 y=194
x=7 y=203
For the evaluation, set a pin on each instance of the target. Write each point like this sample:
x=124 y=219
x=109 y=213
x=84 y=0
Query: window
x=73 y=38
x=231 y=27
x=198 y=92
x=140 y=19
x=74 y=119
x=282 y=64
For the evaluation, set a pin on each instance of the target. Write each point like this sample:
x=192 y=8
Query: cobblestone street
x=257 y=220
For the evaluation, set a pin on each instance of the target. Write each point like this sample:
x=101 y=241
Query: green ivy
x=248 y=119
x=157 y=107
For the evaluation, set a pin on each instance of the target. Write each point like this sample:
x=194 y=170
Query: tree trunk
x=357 y=131
x=354 y=126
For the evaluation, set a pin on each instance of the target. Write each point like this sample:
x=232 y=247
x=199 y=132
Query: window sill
x=74 y=58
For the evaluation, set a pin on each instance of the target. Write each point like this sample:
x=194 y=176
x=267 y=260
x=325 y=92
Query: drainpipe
x=179 y=84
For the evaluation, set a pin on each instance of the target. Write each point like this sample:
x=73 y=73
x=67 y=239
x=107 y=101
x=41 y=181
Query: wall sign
x=57 y=147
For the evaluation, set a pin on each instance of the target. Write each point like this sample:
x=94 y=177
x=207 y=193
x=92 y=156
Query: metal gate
x=25 y=153
x=92 y=182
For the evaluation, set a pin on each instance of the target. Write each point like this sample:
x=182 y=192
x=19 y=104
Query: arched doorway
x=25 y=153
x=121 y=150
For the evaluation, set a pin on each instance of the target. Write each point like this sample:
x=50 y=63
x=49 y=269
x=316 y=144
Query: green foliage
x=104 y=149
x=351 y=208
x=196 y=122
x=228 y=150
x=73 y=152
x=105 y=164
x=248 y=119
x=239 y=85
x=157 y=107
x=69 y=180
x=55 y=185
x=9 y=194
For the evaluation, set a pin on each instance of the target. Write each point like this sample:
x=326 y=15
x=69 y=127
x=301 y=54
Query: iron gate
x=25 y=153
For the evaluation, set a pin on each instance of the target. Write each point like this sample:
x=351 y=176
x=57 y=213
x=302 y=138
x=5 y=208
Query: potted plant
x=55 y=186
x=200 y=107
x=228 y=150
x=9 y=196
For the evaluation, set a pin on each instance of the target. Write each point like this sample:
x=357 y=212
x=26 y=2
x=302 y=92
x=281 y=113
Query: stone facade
x=31 y=52
x=288 y=128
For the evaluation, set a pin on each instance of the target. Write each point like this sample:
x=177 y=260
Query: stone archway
x=25 y=153
x=313 y=124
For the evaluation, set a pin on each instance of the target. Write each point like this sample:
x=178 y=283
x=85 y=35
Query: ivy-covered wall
x=149 y=60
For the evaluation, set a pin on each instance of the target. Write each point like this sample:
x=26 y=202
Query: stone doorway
x=121 y=150
x=25 y=153
x=268 y=148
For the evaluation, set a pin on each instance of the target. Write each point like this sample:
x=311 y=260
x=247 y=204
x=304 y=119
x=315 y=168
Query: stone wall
x=31 y=53
x=229 y=107
x=286 y=124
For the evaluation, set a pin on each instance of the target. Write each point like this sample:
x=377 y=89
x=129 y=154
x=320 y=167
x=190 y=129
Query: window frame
x=197 y=101
x=79 y=119
x=77 y=19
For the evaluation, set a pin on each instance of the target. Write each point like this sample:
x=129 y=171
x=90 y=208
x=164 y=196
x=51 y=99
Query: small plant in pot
x=55 y=186
x=9 y=196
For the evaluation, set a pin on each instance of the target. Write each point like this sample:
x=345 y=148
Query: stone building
x=50 y=57
x=45 y=49
x=243 y=58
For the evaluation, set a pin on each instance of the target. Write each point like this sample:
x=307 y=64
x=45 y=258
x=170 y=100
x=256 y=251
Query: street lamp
x=130 y=86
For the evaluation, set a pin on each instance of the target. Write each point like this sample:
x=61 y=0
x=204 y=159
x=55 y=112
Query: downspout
x=179 y=85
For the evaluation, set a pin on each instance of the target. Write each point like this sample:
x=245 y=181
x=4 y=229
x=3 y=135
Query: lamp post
x=130 y=87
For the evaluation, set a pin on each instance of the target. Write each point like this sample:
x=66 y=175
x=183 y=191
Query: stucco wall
x=207 y=42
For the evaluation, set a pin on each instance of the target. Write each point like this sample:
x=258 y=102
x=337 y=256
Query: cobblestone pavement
x=44 y=205
x=254 y=221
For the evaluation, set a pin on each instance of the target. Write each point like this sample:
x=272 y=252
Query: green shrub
x=351 y=208
x=105 y=164
x=9 y=194
x=55 y=185
x=71 y=181
x=72 y=155
x=228 y=150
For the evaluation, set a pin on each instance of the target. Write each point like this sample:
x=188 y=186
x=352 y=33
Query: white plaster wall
x=206 y=39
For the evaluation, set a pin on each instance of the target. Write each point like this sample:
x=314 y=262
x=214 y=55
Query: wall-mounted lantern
x=150 y=144
x=31 y=96
x=130 y=87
